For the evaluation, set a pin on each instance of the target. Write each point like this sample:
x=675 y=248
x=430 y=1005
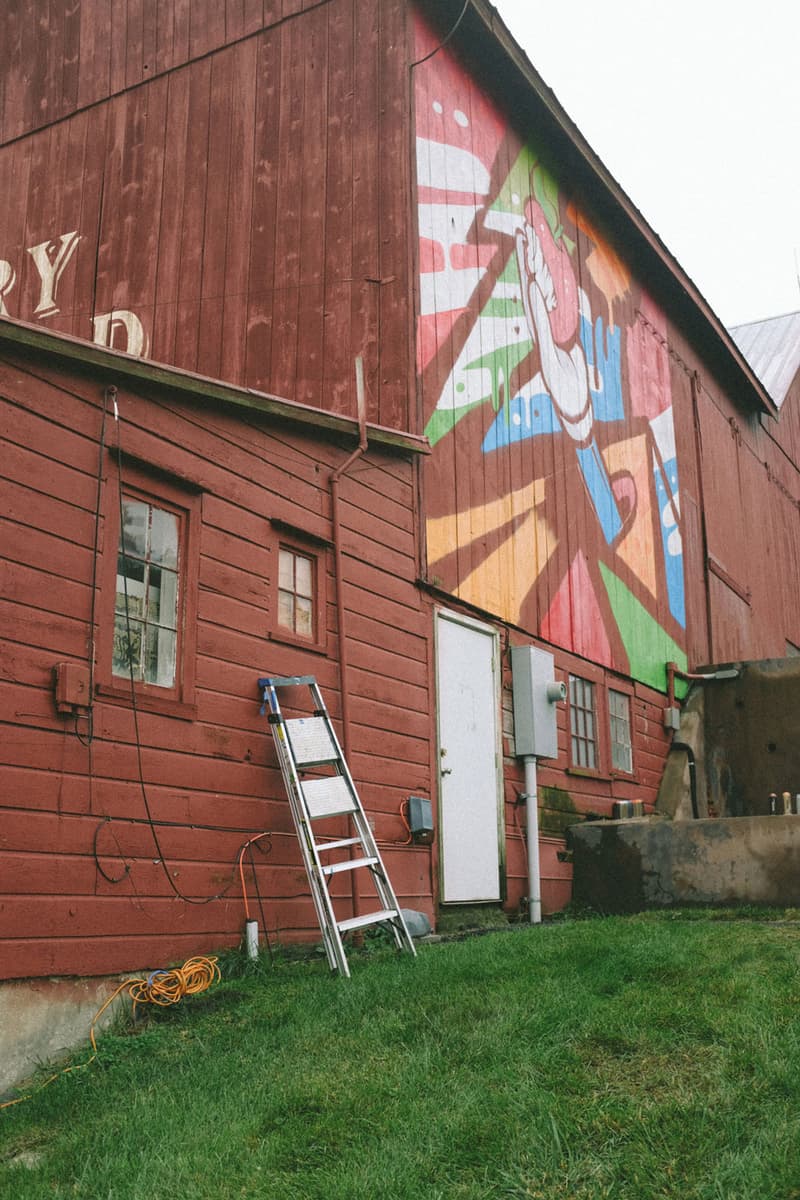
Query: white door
x=469 y=758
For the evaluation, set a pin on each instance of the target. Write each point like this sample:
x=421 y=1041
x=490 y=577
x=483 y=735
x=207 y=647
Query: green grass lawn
x=638 y=1057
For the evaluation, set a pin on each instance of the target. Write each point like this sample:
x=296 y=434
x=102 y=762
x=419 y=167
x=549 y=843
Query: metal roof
x=772 y=347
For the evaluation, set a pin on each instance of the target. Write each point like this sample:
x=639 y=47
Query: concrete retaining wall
x=626 y=866
x=41 y=1020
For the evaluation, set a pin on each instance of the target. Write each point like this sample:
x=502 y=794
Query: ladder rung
x=385 y=914
x=348 y=864
x=328 y=797
x=338 y=844
x=286 y=681
x=311 y=741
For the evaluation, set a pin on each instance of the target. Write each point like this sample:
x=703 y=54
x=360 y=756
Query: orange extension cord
x=160 y=987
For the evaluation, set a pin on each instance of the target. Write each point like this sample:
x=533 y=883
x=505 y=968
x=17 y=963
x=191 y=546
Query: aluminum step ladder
x=319 y=785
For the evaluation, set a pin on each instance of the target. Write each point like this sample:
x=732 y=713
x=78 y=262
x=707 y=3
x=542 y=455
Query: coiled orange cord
x=160 y=987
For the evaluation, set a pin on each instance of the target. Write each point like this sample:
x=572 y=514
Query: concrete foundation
x=41 y=1020
x=627 y=866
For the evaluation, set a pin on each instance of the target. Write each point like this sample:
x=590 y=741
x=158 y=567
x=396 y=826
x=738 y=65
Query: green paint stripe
x=508 y=309
x=648 y=646
x=444 y=420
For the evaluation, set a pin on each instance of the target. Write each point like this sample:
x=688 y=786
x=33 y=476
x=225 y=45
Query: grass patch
x=634 y=1058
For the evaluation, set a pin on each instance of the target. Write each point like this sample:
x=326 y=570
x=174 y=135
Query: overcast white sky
x=694 y=107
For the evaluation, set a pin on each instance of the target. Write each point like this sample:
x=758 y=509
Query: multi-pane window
x=296 y=592
x=619 y=714
x=582 y=722
x=146 y=608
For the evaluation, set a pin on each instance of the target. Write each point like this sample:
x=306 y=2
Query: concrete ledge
x=41 y=1020
x=627 y=866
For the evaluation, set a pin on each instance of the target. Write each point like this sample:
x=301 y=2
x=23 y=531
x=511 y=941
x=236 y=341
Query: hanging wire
x=135 y=709
x=162 y=988
x=109 y=393
x=443 y=43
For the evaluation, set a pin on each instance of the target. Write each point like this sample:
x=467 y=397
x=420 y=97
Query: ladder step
x=328 y=797
x=349 y=864
x=311 y=741
x=385 y=914
x=338 y=844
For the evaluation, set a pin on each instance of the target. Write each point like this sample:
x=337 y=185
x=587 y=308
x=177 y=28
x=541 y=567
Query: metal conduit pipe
x=341 y=619
x=532 y=828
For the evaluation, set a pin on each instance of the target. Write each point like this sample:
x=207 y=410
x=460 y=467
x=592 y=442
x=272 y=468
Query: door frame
x=493 y=633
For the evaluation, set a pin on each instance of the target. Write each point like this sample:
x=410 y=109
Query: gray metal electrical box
x=536 y=694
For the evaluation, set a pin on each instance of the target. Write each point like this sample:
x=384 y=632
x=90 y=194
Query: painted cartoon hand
x=537 y=268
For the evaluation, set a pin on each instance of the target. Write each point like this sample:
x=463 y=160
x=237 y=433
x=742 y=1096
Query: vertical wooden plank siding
x=552 y=485
x=233 y=146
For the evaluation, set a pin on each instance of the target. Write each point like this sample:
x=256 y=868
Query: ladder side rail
x=320 y=895
x=383 y=886
x=295 y=807
x=323 y=903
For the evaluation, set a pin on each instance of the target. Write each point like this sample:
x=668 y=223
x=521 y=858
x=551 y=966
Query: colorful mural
x=552 y=491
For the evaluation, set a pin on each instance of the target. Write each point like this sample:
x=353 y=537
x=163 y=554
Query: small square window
x=619 y=714
x=582 y=722
x=296 y=610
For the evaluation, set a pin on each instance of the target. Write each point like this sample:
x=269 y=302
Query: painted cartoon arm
x=564 y=372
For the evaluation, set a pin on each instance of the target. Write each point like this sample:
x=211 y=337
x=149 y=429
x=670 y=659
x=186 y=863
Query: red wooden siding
x=73 y=813
x=57 y=55
x=236 y=179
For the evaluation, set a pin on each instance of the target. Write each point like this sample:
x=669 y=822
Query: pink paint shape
x=574 y=619
x=432 y=332
x=648 y=362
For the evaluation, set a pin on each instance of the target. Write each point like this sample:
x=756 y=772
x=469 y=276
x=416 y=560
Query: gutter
x=114 y=366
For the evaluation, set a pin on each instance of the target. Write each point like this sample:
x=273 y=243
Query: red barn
x=210 y=212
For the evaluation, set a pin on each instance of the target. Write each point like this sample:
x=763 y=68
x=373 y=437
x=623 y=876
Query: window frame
x=596 y=685
x=604 y=682
x=306 y=545
x=161 y=492
x=616 y=689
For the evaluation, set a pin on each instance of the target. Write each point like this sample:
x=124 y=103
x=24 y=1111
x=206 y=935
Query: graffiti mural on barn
x=553 y=486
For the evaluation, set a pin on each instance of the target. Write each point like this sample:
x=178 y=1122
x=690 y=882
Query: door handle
x=447 y=770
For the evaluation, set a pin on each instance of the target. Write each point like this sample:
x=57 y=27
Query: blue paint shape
x=604 y=352
x=521 y=418
x=598 y=485
x=666 y=488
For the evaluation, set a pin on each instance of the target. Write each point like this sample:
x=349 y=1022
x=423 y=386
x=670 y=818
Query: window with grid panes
x=296 y=592
x=146 y=606
x=619 y=715
x=582 y=722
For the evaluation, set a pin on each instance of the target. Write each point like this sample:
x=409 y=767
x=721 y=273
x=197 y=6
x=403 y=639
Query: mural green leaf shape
x=528 y=173
x=444 y=420
x=648 y=646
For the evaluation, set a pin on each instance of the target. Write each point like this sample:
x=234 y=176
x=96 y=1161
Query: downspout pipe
x=532 y=826
x=673 y=671
x=689 y=752
x=341 y=618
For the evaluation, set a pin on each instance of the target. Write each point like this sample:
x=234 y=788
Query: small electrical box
x=536 y=694
x=420 y=820
x=72 y=687
x=672 y=718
